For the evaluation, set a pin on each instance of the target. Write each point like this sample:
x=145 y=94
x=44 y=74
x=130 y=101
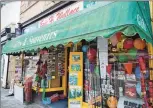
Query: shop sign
x=74 y=8
x=34 y=40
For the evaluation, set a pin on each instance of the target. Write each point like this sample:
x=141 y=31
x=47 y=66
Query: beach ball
x=139 y=44
x=138 y=89
x=142 y=53
x=138 y=73
x=128 y=43
x=123 y=57
x=132 y=53
x=91 y=54
x=84 y=48
x=114 y=40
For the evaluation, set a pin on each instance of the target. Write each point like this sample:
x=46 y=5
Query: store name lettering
x=59 y=15
x=33 y=40
x=131 y=105
x=43 y=37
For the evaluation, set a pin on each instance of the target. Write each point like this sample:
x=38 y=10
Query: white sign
x=74 y=8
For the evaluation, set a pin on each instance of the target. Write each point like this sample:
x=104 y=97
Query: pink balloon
x=114 y=40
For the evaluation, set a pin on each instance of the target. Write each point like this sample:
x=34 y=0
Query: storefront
x=96 y=57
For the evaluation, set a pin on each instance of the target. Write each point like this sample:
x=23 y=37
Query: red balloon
x=128 y=44
x=91 y=54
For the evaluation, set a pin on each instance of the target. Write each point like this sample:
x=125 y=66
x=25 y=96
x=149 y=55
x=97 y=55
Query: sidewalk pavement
x=11 y=102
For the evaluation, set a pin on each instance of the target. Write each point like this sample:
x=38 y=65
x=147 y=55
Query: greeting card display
x=75 y=80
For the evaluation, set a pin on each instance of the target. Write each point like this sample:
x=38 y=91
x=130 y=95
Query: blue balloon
x=138 y=73
x=85 y=48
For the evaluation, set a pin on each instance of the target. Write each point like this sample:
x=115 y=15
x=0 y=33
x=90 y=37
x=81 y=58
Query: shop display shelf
x=49 y=89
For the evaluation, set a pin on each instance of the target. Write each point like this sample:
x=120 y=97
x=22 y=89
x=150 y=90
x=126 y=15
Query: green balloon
x=123 y=57
x=132 y=53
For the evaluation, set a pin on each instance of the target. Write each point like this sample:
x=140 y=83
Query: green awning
x=127 y=17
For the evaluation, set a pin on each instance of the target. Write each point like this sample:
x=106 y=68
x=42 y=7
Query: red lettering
x=51 y=19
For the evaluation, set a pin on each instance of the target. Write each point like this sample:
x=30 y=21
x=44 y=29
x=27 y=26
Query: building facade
x=10 y=15
x=32 y=12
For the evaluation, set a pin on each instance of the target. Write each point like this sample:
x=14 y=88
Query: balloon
x=128 y=43
x=85 y=48
x=139 y=44
x=123 y=57
x=91 y=54
x=114 y=40
x=138 y=89
x=142 y=53
x=138 y=73
x=132 y=53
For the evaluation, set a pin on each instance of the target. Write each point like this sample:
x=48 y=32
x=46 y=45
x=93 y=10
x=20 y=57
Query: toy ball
x=132 y=53
x=138 y=73
x=85 y=48
x=91 y=54
x=114 y=40
x=138 y=89
x=128 y=43
x=142 y=53
x=139 y=44
x=123 y=57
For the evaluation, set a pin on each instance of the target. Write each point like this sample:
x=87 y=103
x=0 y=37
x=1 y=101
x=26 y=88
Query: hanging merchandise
x=91 y=54
x=132 y=53
x=151 y=92
x=51 y=65
x=84 y=48
x=130 y=89
x=112 y=58
x=123 y=57
x=128 y=67
x=142 y=64
x=138 y=73
x=28 y=90
x=60 y=60
x=142 y=53
x=138 y=89
x=139 y=44
x=109 y=68
x=128 y=43
x=114 y=40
